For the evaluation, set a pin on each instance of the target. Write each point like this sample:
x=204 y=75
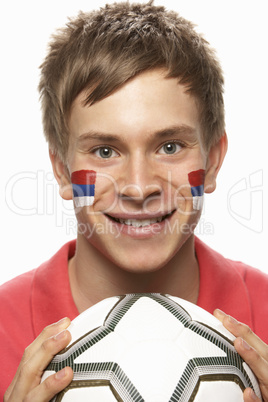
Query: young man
x=134 y=116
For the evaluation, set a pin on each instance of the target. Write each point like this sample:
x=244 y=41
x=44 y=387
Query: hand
x=26 y=386
x=252 y=349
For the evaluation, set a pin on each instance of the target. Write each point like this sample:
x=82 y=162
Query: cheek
x=196 y=180
x=83 y=184
x=184 y=190
x=91 y=188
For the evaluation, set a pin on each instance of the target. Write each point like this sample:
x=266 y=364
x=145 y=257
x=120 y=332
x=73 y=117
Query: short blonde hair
x=99 y=51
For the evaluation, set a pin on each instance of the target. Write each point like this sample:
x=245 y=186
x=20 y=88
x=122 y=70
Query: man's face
x=142 y=141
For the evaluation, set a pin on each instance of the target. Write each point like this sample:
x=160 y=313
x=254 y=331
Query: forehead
x=147 y=103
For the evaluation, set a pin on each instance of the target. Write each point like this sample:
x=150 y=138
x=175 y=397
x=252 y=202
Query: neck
x=93 y=277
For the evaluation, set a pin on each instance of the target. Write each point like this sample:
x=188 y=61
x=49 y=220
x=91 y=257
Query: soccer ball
x=154 y=348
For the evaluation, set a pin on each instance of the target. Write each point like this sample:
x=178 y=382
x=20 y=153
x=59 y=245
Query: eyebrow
x=184 y=131
x=97 y=135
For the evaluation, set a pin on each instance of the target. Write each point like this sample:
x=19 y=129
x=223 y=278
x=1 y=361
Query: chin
x=144 y=265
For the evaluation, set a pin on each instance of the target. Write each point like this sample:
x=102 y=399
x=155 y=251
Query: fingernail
x=60 y=374
x=253 y=396
x=62 y=320
x=61 y=335
x=245 y=345
x=220 y=312
x=232 y=320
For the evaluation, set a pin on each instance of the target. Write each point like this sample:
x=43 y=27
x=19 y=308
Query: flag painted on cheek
x=83 y=183
x=196 y=180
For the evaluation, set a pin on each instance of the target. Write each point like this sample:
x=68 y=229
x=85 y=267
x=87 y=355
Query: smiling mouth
x=140 y=222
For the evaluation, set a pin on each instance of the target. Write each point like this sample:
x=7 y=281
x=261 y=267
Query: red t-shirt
x=43 y=296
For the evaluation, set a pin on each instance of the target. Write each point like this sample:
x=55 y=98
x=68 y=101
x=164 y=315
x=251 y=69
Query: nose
x=140 y=179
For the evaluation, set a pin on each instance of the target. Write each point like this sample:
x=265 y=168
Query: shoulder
x=36 y=292
x=15 y=312
x=28 y=303
x=15 y=295
x=236 y=288
x=251 y=276
x=219 y=265
x=15 y=320
x=256 y=284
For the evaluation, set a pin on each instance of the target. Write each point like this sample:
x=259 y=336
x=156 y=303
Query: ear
x=62 y=176
x=215 y=159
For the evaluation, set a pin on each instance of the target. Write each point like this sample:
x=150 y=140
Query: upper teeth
x=140 y=222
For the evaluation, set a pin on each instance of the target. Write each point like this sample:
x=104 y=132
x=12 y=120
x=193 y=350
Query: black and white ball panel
x=152 y=348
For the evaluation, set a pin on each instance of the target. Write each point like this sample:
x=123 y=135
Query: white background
x=35 y=222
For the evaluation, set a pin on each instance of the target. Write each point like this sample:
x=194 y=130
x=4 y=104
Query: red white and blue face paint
x=83 y=183
x=196 y=180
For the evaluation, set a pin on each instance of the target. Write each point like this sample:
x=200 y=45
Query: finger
x=51 y=386
x=47 y=332
x=30 y=372
x=250 y=396
x=243 y=331
x=256 y=362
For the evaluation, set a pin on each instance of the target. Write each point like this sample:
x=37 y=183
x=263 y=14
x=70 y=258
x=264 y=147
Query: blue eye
x=170 y=148
x=105 y=152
